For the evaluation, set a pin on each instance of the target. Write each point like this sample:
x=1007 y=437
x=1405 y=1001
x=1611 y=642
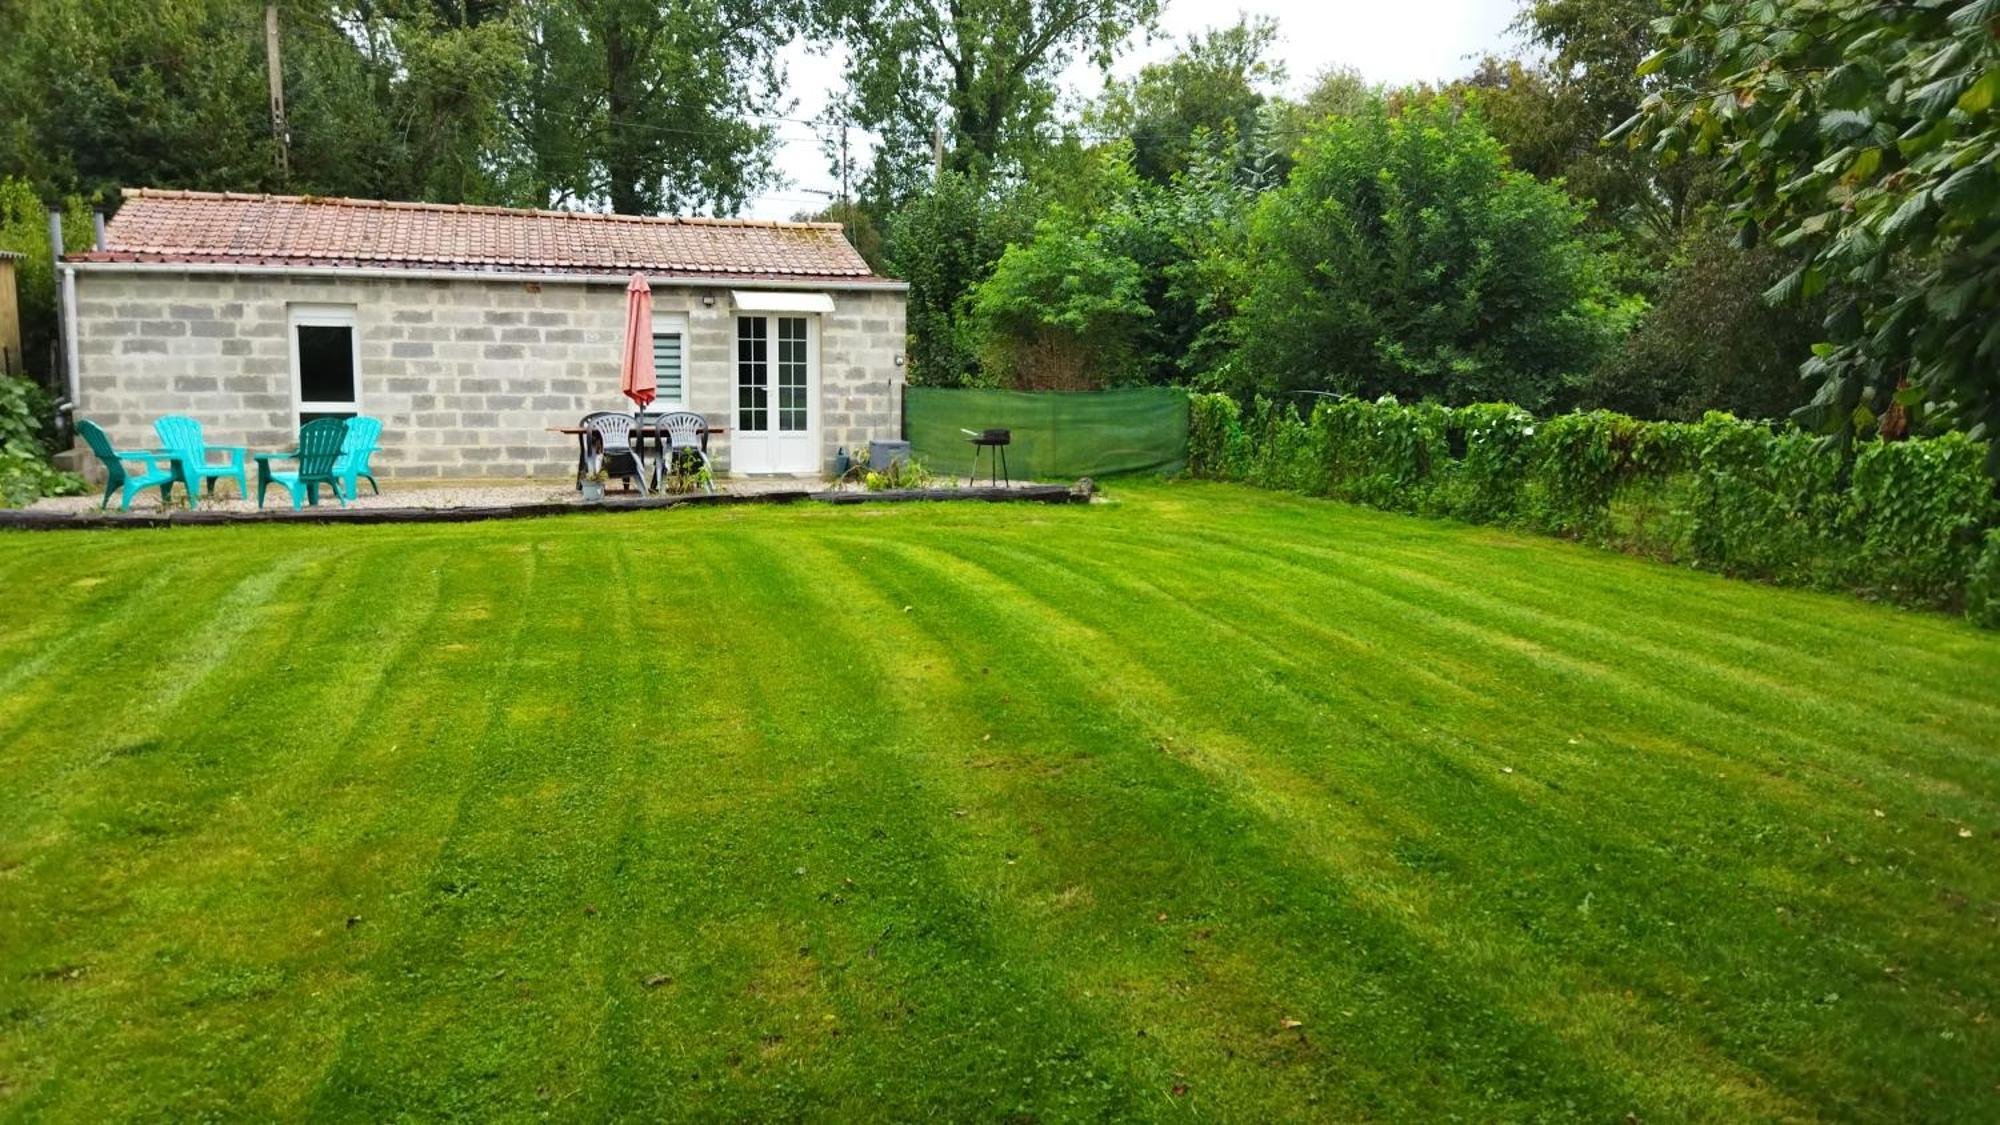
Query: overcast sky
x=1390 y=41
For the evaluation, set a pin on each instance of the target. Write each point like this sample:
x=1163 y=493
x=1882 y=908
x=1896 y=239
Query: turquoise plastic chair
x=319 y=448
x=159 y=470
x=180 y=439
x=362 y=432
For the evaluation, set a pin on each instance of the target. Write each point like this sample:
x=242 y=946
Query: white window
x=670 y=361
x=326 y=361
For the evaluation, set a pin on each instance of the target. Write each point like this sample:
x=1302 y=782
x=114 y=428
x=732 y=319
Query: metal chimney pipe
x=97 y=223
x=55 y=235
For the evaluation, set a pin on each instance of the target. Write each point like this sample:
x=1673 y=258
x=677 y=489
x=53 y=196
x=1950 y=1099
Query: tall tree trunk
x=624 y=152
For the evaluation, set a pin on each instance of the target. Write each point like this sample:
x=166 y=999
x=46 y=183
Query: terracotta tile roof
x=195 y=227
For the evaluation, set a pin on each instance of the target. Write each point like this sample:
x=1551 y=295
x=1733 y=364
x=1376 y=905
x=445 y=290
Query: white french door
x=777 y=395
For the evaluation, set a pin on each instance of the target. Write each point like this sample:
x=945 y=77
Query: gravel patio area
x=445 y=494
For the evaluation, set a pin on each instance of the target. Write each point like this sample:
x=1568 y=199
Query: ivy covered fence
x=1912 y=522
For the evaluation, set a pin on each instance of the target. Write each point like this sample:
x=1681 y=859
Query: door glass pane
x=753 y=374
x=326 y=363
x=792 y=373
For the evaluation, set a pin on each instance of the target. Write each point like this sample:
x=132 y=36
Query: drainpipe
x=73 y=365
x=62 y=346
x=66 y=356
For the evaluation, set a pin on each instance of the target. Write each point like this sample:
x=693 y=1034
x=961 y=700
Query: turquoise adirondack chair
x=362 y=432
x=159 y=471
x=180 y=438
x=319 y=448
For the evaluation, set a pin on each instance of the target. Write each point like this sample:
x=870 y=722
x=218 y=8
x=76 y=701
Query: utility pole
x=843 y=162
x=846 y=207
x=279 y=132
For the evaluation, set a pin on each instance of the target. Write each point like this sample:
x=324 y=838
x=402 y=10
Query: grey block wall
x=465 y=374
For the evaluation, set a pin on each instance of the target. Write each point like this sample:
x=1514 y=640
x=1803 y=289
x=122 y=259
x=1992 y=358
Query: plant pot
x=593 y=492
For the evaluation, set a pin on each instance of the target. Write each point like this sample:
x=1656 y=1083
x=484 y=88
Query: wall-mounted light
x=899 y=359
x=707 y=302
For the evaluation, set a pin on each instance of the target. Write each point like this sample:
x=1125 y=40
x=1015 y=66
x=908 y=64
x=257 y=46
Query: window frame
x=802 y=343
x=737 y=386
x=322 y=316
x=673 y=324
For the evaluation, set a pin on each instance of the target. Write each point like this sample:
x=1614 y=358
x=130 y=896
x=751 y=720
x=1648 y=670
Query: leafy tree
x=400 y=102
x=1710 y=342
x=1062 y=311
x=552 y=124
x=24 y=229
x=1553 y=117
x=862 y=232
x=945 y=242
x=1336 y=91
x=648 y=106
x=987 y=71
x=383 y=99
x=671 y=94
x=1187 y=238
x=1527 y=112
x=1215 y=85
x=1077 y=253
x=1208 y=210
x=105 y=93
x=469 y=13
x=1862 y=135
x=1404 y=256
x=26 y=381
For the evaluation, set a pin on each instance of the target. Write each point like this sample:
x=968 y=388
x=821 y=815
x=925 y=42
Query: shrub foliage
x=1911 y=521
x=1405 y=256
x=25 y=472
x=1862 y=137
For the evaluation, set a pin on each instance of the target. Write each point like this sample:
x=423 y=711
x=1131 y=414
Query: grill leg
x=1004 y=474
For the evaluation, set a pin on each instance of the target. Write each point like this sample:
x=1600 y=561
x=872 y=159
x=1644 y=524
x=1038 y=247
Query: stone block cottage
x=470 y=331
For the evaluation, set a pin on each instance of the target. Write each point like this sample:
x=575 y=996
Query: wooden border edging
x=28 y=520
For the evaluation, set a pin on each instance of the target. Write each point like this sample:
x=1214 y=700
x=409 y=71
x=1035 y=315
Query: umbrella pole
x=639 y=447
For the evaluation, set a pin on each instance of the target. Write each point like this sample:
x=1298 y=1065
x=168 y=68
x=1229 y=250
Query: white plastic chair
x=683 y=428
x=612 y=450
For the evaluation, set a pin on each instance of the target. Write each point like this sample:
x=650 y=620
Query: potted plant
x=593 y=486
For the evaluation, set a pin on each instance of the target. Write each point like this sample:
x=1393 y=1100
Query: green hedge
x=1911 y=522
x=1982 y=591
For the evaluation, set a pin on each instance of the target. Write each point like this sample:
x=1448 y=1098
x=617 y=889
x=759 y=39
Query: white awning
x=781 y=301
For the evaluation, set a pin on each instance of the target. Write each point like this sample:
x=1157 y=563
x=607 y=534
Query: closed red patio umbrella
x=636 y=375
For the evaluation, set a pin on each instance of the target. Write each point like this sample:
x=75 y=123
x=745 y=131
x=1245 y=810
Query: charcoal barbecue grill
x=997 y=441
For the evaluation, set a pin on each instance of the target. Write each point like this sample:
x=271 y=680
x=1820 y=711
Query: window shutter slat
x=667 y=366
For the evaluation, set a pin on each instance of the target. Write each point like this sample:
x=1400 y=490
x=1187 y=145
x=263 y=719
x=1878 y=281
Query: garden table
x=639 y=436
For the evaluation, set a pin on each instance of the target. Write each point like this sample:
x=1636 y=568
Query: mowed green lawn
x=1203 y=803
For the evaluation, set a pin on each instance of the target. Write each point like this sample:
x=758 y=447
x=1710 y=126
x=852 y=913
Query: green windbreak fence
x=1058 y=435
